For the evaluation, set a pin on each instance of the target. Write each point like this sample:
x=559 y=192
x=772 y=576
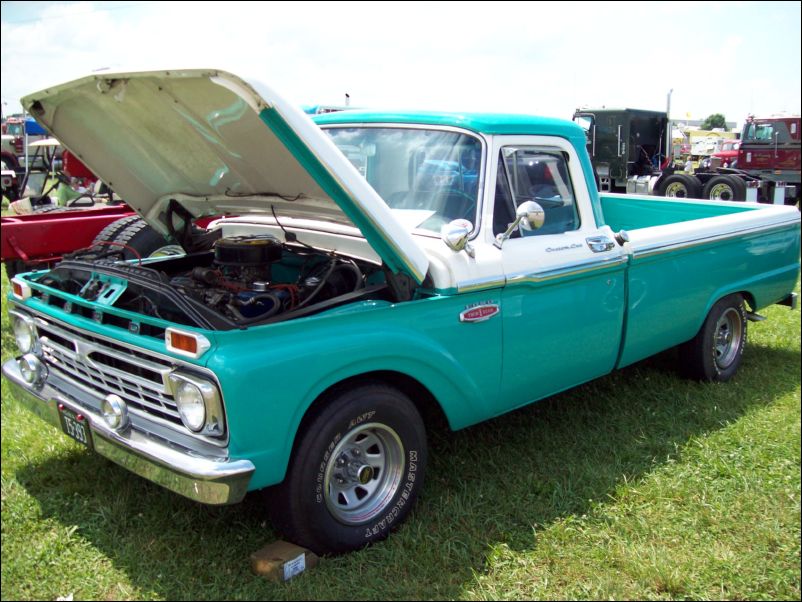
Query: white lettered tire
x=356 y=471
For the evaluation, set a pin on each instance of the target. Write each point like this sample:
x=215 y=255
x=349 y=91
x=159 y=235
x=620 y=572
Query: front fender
x=272 y=375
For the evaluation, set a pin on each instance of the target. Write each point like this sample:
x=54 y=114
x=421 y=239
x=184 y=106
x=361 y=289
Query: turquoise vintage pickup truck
x=363 y=272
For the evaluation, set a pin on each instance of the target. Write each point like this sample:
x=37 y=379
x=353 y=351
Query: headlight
x=189 y=399
x=24 y=332
x=198 y=403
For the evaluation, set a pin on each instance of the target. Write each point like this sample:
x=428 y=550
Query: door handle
x=600 y=244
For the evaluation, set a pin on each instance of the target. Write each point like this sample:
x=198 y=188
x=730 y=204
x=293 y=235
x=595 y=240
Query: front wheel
x=356 y=471
x=715 y=353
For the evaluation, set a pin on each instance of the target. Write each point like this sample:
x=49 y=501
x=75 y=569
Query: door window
x=540 y=175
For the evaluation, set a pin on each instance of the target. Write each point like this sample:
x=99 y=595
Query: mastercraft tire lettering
x=715 y=353
x=356 y=472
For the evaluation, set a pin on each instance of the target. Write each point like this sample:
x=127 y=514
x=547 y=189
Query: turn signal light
x=20 y=290
x=186 y=343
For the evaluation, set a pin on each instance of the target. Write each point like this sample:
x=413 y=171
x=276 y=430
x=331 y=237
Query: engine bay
x=242 y=280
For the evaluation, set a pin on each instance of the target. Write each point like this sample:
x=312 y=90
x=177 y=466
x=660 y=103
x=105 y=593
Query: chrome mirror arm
x=529 y=216
x=500 y=238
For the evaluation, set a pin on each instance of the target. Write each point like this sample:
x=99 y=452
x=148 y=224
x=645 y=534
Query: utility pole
x=670 y=128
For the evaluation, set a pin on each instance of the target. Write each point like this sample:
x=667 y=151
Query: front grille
x=103 y=367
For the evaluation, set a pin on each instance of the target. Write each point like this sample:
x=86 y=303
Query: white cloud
x=518 y=57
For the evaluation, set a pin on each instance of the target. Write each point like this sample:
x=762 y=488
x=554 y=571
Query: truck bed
x=685 y=254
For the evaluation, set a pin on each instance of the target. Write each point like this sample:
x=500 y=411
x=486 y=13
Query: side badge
x=479 y=313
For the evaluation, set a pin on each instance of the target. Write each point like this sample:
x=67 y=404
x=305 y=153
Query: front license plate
x=76 y=426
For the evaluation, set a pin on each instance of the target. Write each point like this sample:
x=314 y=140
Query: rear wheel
x=725 y=188
x=356 y=471
x=681 y=186
x=715 y=353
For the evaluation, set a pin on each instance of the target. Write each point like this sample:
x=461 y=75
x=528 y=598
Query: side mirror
x=529 y=216
x=455 y=235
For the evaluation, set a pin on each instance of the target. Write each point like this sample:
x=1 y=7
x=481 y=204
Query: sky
x=543 y=58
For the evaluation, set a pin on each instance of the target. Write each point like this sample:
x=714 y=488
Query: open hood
x=217 y=145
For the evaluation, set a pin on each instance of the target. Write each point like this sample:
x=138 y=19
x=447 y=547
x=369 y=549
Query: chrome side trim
x=572 y=269
x=659 y=248
x=203 y=478
x=480 y=284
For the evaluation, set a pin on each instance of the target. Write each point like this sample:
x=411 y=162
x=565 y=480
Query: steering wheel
x=85 y=200
x=457 y=204
x=453 y=204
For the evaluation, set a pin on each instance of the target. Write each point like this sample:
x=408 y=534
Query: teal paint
x=271 y=374
x=672 y=292
x=635 y=212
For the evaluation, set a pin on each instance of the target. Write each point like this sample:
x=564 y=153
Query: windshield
x=428 y=177
x=771 y=131
x=584 y=121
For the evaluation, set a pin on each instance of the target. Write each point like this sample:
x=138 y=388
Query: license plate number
x=75 y=427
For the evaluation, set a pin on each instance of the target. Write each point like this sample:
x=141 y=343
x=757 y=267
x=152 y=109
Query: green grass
x=639 y=485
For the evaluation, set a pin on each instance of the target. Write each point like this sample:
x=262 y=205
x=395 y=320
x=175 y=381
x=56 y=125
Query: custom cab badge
x=479 y=313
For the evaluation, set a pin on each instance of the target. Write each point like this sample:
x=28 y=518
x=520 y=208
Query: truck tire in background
x=725 y=188
x=14 y=267
x=355 y=473
x=135 y=239
x=10 y=161
x=681 y=186
x=108 y=233
x=715 y=353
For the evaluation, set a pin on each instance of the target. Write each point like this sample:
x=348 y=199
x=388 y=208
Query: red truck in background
x=727 y=156
x=768 y=155
x=770 y=147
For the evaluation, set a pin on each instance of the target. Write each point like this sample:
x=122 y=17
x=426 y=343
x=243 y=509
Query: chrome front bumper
x=203 y=479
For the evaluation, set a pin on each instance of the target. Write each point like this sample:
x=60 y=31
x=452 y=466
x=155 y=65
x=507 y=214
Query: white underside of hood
x=216 y=145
